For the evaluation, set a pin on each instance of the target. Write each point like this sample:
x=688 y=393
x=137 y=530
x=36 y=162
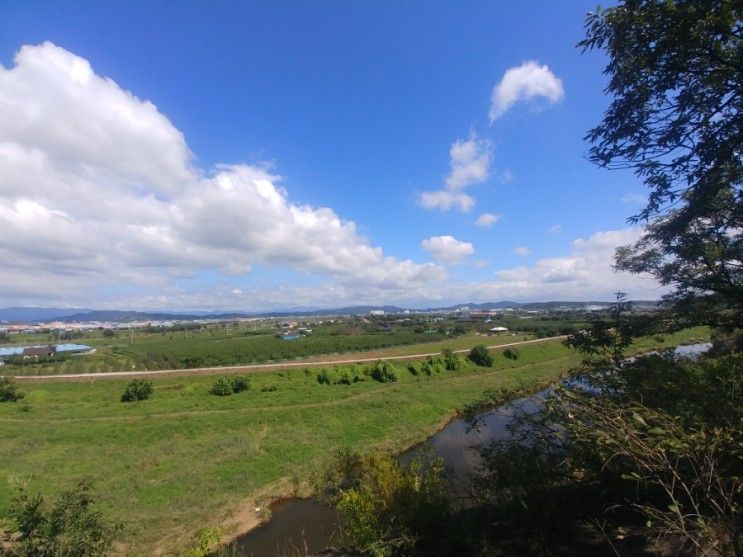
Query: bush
x=340 y=376
x=396 y=510
x=69 y=526
x=452 y=362
x=324 y=377
x=139 y=389
x=9 y=391
x=240 y=384
x=480 y=356
x=413 y=369
x=511 y=354
x=221 y=387
x=383 y=372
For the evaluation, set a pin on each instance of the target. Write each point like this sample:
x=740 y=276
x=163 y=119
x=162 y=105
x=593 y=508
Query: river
x=305 y=526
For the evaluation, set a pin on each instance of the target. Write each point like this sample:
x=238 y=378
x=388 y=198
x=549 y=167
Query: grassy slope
x=185 y=459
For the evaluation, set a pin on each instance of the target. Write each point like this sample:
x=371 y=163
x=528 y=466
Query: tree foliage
x=68 y=527
x=676 y=79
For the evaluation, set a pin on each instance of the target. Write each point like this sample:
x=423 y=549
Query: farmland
x=238 y=450
x=191 y=345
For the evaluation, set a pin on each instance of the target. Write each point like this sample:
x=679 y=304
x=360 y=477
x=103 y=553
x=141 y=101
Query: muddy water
x=302 y=527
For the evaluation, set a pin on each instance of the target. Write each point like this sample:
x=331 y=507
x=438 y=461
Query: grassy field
x=186 y=459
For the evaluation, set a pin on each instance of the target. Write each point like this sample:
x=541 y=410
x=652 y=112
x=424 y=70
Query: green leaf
x=639 y=419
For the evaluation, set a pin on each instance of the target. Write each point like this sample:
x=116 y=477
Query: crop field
x=216 y=346
x=185 y=459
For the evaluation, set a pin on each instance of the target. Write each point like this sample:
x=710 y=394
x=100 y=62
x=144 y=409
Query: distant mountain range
x=71 y=315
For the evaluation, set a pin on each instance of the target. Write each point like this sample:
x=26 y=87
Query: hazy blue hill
x=27 y=314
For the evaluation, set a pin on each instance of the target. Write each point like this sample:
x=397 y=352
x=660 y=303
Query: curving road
x=255 y=368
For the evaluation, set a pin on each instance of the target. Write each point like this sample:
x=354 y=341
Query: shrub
x=511 y=354
x=269 y=388
x=9 y=391
x=139 y=389
x=413 y=369
x=480 y=356
x=383 y=372
x=240 y=383
x=221 y=387
x=452 y=362
x=324 y=377
x=69 y=526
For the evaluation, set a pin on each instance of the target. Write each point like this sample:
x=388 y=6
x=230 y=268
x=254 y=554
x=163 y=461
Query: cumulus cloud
x=586 y=273
x=99 y=196
x=527 y=81
x=486 y=220
x=469 y=163
x=521 y=251
x=447 y=248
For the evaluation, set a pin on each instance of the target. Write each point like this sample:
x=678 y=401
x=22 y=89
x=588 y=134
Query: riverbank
x=455 y=449
x=185 y=459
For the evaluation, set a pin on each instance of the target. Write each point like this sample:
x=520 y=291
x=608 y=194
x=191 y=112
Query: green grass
x=186 y=459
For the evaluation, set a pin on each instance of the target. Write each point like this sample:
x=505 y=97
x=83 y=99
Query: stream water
x=305 y=526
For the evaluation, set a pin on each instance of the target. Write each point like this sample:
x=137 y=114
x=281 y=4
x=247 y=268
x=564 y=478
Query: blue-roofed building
x=68 y=348
x=71 y=348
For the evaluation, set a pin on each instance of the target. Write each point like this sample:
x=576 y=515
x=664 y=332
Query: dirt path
x=256 y=368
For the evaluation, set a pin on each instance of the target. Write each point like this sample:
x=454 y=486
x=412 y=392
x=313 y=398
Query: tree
x=676 y=119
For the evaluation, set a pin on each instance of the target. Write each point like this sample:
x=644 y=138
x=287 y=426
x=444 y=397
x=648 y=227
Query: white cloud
x=469 y=162
x=99 y=197
x=524 y=82
x=554 y=230
x=447 y=248
x=521 y=251
x=486 y=220
x=445 y=200
x=586 y=273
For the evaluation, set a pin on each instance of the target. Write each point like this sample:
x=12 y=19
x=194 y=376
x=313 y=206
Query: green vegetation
x=389 y=509
x=225 y=386
x=234 y=450
x=217 y=345
x=71 y=526
x=629 y=456
x=480 y=356
x=139 y=389
x=9 y=391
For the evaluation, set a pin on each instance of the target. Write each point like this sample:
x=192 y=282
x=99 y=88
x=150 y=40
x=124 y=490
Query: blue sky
x=372 y=124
